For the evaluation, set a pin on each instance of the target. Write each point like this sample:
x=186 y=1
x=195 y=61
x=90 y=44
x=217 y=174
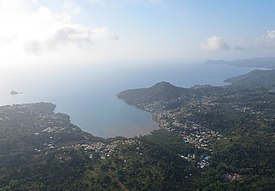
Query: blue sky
x=95 y=31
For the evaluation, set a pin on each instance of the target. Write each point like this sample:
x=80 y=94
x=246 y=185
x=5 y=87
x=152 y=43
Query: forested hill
x=165 y=92
x=26 y=127
x=162 y=91
x=254 y=79
x=233 y=124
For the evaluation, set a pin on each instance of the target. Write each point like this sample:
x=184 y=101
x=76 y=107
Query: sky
x=58 y=33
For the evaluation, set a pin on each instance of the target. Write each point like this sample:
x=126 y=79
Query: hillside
x=43 y=150
x=27 y=127
x=255 y=79
x=233 y=124
x=162 y=91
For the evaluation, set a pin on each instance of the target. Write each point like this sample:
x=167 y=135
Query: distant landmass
x=15 y=92
x=264 y=62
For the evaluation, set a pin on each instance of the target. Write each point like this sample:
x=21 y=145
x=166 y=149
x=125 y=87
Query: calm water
x=88 y=93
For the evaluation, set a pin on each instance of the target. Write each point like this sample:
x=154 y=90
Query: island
x=210 y=138
x=15 y=92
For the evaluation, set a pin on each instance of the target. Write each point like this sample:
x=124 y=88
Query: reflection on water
x=88 y=94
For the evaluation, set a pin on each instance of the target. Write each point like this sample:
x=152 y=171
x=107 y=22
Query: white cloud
x=70 y=34
x=152 y=2
x=39 y=29
x=71 y=6
x=108 y=2
x=271 y=34
x=263 y=42
x=266 y=41
x=214 y=43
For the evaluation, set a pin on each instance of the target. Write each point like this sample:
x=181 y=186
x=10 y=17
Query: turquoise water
x=88 y=93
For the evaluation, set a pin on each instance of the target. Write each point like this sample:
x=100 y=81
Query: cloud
x=38 y=29
x=262 y=42
x=152 y=2
x=70 y=35
x=266 y=41
x=271 y=34
x=214 y=43
x=71 y=6
x=108 y=2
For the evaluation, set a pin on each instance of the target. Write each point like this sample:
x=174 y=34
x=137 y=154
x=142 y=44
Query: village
x=190 y=131
x=103 y=150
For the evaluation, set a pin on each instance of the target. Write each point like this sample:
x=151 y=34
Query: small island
x=15 y=92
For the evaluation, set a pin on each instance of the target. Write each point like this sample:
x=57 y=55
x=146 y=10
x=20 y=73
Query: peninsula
x=212 y=138
x=232 y=124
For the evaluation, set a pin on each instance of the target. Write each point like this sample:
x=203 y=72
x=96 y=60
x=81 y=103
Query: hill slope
x=162 y=91
x=254 y=79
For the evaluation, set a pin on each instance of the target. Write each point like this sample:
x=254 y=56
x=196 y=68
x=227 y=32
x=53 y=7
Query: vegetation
x=213 y=138
x=162 y=91
x=243 y=112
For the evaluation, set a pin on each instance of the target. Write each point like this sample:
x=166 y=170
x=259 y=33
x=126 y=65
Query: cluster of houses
x=204 y=162
x=104 y=150
x=200 y=139
x=192 y=133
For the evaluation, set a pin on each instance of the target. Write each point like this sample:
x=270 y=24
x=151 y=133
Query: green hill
x=162 y=91
x=254 y=79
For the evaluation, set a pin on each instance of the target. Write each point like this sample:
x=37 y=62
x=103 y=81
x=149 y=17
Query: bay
x=88 y=93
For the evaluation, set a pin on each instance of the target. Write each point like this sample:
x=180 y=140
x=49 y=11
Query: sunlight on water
x=88 y=93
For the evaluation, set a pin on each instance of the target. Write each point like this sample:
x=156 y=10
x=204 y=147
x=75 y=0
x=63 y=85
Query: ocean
x=88 y=93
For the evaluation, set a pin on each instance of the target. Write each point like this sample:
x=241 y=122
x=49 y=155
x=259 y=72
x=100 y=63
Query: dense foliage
x=215 y=138
x=243 y=112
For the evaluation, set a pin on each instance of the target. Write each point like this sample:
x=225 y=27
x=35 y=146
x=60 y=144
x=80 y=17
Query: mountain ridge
x=261 y=62
x=254 y=79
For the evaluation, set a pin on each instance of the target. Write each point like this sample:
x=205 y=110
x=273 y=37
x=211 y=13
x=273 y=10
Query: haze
x=41 y=37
